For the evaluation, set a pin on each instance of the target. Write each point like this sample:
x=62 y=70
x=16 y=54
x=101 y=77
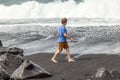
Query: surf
x=58 y=9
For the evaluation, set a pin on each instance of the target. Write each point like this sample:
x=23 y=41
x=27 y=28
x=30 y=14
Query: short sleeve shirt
x=61 y=31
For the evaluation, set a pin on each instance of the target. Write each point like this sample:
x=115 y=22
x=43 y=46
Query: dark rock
x=115 y=73
x=28 y=70
x=12 y=65
x=102 y=73
x=14 y=51
x=10 y=62
x=4 y=50
x=3 y=74
x=1 y=43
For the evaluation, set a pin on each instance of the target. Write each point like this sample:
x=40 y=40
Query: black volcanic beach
x=28 y=36
x=84 y=67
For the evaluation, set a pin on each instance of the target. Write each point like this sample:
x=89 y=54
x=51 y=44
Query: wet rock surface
x=28 y=70
x=14 y=66
x=3 y=74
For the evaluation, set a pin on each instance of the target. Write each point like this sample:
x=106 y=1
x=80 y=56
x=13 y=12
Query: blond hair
x=63 y=20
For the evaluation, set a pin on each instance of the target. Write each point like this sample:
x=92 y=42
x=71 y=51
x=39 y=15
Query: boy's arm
x=57 y=33
x=67 y=36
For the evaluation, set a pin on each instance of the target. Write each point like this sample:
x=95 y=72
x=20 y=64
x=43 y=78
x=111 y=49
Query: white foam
x=88 y=8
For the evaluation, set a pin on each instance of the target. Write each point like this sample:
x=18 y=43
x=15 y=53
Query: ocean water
x=32 y=25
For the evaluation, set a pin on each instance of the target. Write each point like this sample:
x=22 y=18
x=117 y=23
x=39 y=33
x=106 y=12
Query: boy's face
x=65 y=23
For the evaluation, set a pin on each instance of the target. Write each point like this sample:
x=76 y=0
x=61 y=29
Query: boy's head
x=64 y=21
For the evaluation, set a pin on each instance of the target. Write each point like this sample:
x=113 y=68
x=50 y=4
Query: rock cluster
x=104 y=74
x=13 y=66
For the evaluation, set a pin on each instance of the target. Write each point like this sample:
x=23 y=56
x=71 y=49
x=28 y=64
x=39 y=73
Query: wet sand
x=84 y=67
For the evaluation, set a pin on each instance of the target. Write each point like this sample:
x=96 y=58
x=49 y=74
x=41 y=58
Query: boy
x=63 y=42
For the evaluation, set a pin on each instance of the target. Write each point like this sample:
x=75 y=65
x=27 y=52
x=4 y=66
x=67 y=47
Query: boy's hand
x=71 y=39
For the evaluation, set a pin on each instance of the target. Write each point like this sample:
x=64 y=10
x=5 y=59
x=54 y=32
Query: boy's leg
x=55 y=55
x=60 y=48
x=68 y=55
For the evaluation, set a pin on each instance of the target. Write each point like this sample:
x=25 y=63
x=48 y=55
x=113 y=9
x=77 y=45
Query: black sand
x=84 y=67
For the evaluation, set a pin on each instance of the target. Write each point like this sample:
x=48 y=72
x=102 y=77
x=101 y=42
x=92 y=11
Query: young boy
x=63 y=42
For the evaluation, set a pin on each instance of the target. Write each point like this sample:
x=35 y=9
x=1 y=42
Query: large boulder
x=10 y=62
x=3 y=74
x=29 y=69
x=102 y=73
x=14 y=51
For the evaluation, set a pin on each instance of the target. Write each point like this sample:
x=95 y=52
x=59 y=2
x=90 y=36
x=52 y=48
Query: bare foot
x=53 y=60
x=71 y=60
